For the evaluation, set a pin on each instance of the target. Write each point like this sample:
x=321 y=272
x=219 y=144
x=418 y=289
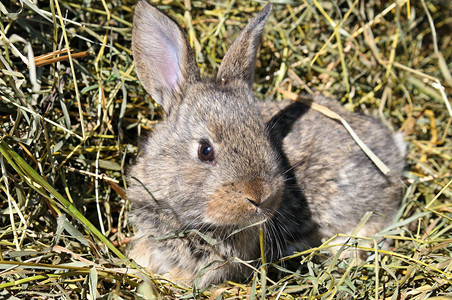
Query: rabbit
x=222 y=166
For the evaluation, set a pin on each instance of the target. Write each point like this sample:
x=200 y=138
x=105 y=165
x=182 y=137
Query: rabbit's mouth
x=243 y=203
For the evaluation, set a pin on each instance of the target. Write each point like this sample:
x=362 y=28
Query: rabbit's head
x=211 y=161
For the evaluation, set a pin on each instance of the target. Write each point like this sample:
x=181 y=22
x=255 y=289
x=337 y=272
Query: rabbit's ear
x=240 y=60
x=164 y=60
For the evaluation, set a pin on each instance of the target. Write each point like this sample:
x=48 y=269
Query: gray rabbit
x=222 y=165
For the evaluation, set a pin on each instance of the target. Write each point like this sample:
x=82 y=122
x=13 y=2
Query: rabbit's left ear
x=164 y=61
x=240 y=60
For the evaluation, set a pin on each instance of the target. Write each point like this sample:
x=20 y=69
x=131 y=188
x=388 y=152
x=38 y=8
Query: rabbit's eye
x=206 y=153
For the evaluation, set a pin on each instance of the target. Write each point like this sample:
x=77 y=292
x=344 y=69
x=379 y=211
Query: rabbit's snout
x=243 y=202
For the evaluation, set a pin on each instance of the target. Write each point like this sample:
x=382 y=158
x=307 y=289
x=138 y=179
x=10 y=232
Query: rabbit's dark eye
x=206 y=153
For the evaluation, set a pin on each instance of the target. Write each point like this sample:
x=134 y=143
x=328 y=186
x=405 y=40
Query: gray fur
x=292 y=168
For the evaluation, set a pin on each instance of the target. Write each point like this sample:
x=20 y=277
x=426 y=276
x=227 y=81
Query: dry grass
x=70 y=127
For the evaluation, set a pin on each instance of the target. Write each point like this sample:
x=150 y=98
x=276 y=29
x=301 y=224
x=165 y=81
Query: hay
x=71 y=122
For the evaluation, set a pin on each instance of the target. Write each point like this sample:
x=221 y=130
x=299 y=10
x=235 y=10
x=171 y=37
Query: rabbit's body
x=329 y=170
x=221 y=162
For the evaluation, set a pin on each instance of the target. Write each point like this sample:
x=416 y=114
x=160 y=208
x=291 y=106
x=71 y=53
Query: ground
x=71 y=125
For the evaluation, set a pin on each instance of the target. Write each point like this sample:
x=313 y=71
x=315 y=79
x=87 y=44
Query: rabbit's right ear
x=164 y=60
x=240 y=59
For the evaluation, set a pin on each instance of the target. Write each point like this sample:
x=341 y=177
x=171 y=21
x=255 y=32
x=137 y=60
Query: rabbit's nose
x=256 y=202
x=253 y=191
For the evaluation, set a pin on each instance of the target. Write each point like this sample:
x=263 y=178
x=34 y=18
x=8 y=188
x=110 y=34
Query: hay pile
x=70 y=126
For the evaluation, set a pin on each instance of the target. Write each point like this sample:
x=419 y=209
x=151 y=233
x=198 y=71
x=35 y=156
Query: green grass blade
x=33 y=178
